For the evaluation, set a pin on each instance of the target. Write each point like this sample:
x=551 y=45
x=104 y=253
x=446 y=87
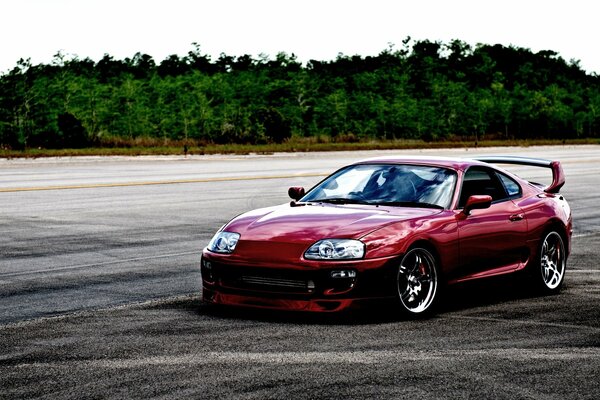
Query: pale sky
x=311 y=29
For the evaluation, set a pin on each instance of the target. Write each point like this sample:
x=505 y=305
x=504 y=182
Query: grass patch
x=293 y=145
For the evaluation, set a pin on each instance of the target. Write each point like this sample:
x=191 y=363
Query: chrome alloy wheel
x=417 y=280
x=552 y=261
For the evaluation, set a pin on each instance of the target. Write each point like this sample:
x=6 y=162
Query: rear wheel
x=550 y=268
x=417 y=281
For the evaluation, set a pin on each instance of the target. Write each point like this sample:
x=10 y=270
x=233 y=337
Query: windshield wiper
x=339 y=200
x=409 y=204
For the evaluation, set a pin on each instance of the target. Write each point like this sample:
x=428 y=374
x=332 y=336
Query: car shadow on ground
x=464 y=296
x=487 y=292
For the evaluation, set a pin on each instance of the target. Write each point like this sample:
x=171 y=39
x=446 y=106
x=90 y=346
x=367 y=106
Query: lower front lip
x=210 y=296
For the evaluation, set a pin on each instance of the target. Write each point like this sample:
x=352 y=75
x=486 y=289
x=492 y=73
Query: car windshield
x=387 y=184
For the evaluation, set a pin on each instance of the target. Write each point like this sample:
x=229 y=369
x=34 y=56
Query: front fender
x=440 y=230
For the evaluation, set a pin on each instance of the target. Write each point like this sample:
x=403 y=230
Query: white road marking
x=71 y=267
x=336 y=357
x=524 y=322
x=166 y=182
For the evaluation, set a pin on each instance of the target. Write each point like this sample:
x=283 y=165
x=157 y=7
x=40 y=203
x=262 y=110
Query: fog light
x=207 y=271
x=343 y=274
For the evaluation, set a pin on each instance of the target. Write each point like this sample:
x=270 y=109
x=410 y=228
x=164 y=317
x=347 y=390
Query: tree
x=426 y=90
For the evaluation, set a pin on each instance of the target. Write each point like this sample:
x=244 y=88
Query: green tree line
x=424 y=90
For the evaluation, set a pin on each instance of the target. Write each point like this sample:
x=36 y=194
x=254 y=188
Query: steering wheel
x=414 y=191
x=357 y=195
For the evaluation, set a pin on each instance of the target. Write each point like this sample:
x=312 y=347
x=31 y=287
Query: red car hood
x=309 y=223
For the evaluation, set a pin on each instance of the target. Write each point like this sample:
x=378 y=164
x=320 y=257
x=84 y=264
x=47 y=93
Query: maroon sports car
x=395 y=228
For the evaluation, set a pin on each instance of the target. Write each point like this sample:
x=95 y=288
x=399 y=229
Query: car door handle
x=516 y=217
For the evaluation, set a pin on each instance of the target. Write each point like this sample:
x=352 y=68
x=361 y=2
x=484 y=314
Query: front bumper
x=297 y=287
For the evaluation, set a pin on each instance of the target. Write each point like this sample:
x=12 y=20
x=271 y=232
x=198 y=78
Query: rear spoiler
x=558 y=175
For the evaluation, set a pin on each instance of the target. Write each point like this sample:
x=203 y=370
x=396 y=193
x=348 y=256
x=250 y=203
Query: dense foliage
x=427 y=90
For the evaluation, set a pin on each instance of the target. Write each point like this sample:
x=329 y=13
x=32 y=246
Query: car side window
x=481 y=181
x=512 y=188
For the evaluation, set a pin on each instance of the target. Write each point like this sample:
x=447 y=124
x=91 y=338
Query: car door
x=491 y=240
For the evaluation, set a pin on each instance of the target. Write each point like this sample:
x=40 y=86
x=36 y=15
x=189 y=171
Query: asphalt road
x=99 y=286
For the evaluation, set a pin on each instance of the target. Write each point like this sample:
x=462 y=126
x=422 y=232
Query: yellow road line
x=170 y=182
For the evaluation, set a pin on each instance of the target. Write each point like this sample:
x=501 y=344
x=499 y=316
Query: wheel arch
x=430 y=246
x=557 y=225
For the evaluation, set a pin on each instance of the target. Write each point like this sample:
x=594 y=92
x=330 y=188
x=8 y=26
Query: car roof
x=448 y=162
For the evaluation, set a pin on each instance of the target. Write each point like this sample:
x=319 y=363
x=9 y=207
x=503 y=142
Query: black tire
x=548 y=272
x=418 y=282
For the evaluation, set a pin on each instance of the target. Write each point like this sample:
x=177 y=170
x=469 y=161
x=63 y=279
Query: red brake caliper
x=422 y=269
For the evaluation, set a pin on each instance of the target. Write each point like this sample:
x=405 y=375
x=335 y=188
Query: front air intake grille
x=273 y=282
x=267 y=280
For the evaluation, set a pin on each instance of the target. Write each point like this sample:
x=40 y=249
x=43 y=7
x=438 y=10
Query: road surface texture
x=100 y=283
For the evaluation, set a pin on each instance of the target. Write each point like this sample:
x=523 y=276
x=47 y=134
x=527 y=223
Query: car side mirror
x=296 y=192
x=477 y=203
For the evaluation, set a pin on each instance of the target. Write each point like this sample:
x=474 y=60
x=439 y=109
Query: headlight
x=336 y=249
x=223 y=242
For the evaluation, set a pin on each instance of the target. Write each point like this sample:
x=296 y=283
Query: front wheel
x=417 y=281
x=550 y=268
